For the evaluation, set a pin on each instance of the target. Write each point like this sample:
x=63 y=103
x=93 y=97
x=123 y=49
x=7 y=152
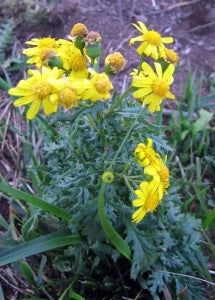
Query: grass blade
x=52 y=209
x=3 y=222
x=111 y=233
x=44 y=243
x=209 y=219
x=1 y=293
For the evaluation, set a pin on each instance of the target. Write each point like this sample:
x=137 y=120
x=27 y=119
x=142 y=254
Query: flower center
x=171 y=56
x=77 y=62
x=151 y=202
x=101 y=83
x=42 y=89
x=153 y=37
x=68 y=98
x=116 y=61
x=160 y=87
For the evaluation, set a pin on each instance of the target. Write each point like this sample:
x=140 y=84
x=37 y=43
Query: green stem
x=141 y=61
x=91 y=121
x=125 y=139
x=159 y=118
x=4 y=85
x=128 y=184
x=127 y=166
x=118 y=101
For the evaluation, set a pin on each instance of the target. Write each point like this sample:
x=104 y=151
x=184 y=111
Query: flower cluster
x=150 y=193
x=152 y=87
x=64 y=74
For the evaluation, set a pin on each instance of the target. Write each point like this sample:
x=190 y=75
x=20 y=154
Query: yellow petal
x=148 y=50
x=148 y=70
x=22 y=101
x=169 y=71
x=167 y=40
x=19 y=92
x=139 y=194
x=153 y=106
x=139 y=215
x=170 y=95
x=150 y=98
x=142 y=92
x=142 y=26
x=49 y=107
x=150 y=171
x=33 y=110
x=137 y=202
x=136 y=39
x=154 y=52
x=142 y=82
x=158 y=69
x=142 y=47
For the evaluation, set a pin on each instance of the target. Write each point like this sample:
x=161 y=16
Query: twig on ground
x=201 y=26
x=171 y=7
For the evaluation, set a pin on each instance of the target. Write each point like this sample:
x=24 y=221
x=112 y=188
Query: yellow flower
x=170 y=56
x=152 y=88
x=147 y=200
x=94 y=89
x=41 y=88
x=116 y=61
x=68 y=97
x=41 y=51
x=160 y=175
x=152 y=42
x=145 y=154
x=73 y=59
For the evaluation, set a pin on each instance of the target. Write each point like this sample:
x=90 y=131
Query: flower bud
x=93 y=38
x=68 y=98
x=108 y=177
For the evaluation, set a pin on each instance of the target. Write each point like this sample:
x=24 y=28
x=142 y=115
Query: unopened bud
x=108 y=177
x=93 y=38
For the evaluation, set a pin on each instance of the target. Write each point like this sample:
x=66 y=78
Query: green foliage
x=164 y=249
x=6 y=38
x=166 y=246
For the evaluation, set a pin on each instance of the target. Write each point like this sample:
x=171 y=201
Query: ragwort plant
x=98 y=160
